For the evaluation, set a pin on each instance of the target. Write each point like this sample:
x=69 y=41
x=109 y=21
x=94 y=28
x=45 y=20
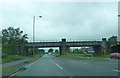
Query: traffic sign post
x=92 y=51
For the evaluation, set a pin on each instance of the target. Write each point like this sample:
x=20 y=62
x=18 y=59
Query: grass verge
x=78 y=58
x=7 y=70
x=88 y=55
x=57 y=55
x=13 y=58
x=107 y=56
x=33 y=59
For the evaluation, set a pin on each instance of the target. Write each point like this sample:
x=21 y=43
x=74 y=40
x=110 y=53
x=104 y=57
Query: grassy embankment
x=88 y=55
x=79 y=58
x=106 y=56
x=10 y=58
x=7 y=70
x=12 y=68
x=9 y=53
x=33 y=59
x=72 y=56
x=55 y=55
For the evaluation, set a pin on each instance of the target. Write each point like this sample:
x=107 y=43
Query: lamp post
x=34 y=33
x=118 y=28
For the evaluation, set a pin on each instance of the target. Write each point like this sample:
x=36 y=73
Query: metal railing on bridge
x=51 y=43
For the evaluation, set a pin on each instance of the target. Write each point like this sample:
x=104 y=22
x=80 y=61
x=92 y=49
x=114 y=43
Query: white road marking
x=56 y=64
x=29 y=65
x=115 y=70
x=70 y=77
x=15 y=73
x=59 y=66
x=20 y=70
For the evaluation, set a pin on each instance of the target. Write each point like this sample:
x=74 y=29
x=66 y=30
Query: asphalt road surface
x=54 y=66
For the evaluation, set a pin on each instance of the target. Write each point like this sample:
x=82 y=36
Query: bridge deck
x=58 y=44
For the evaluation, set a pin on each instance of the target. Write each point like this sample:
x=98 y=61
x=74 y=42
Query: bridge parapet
x=83 y=43
x=43 y=44
x=59 y=44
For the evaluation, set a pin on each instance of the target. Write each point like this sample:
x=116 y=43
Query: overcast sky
x=70 y=20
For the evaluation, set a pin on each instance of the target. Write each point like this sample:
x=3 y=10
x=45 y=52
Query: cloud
x=72 y=20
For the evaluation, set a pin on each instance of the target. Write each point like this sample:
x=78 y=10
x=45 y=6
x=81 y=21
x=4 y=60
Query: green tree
x=42 y=51
x=112 y=40
x=14 y=37
x=51 y=50
x=56 y=51
x=76 y=50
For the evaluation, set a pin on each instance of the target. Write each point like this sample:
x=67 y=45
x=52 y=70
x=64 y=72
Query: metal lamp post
x=118 y=28
x=34 y=33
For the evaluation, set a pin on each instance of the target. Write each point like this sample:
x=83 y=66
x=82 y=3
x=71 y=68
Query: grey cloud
x=68 y=19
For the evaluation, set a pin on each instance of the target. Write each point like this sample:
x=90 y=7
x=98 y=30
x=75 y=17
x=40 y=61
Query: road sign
x=91 y=49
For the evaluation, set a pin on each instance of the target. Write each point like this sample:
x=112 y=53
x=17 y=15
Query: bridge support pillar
x=60 y=51
x=103 y=49
x=97 y=50
x=104 y=46
x=63 y=47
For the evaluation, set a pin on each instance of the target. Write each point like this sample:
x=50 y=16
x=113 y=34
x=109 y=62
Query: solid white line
x=59 y=66
x=29 y=65
x=20 y=71
x=116 y=70
x=14 y=74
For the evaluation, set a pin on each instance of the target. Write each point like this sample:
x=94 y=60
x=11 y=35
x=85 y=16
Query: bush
x=4 y=55
x=9 y=58
x=57 y=55
x=10 y=49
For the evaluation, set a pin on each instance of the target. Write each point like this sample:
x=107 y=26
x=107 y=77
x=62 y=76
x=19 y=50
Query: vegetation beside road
x=33 y=59
x=9 y=58
x=75 y=54
x=55 y=54
x=106 y=56
x=85 y=55
x=79 y=58
x=7 y=70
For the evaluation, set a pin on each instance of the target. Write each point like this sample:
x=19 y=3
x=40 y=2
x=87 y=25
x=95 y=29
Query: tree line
x=12 y=38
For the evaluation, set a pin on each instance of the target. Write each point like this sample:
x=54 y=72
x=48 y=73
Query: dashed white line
x=59 y=66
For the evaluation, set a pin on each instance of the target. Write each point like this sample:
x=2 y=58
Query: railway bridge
x=99 y=47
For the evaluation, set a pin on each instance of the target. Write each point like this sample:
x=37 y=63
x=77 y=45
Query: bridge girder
x=63 y=44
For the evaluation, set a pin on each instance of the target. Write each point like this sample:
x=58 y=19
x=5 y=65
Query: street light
x=118 y=29
x=118 y=15
x=34 y=33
